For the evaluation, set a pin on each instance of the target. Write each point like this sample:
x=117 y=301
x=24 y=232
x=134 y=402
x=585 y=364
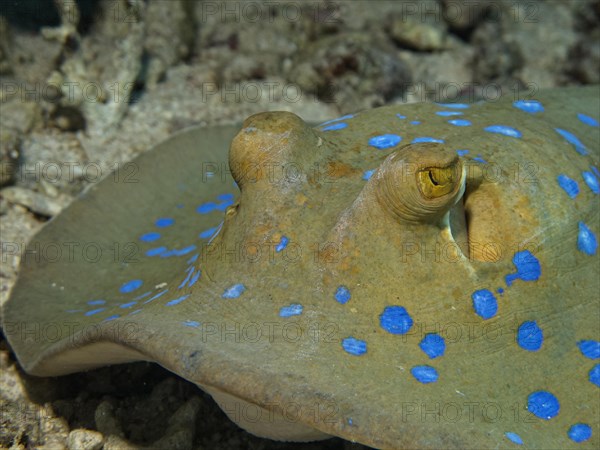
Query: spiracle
x=420 y=182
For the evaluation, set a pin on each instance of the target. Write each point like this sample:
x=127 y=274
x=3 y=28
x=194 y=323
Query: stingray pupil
x=432 y=178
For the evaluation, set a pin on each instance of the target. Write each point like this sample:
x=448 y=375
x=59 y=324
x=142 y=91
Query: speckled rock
x=352 y=70
x=85 y=440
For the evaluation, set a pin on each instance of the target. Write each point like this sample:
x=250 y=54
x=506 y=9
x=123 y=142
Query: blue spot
x=453 y=105
x=191 y=323
x=421 y=139
x=177 y=300
x=175 y=252
x=160 y=294
x=595 y=171
x=503 y=129
x=530 y=106
x=194 y=278
x=460 y=122
x=137 y=311
x=128 y=305
x=283 y=242
x=207 y=207
x=530 y=336
x=96 y=302
x=347 y=116
x=228 y=197
x=514 y=438
x=449 y=113
x=190 y=271
x=342 y=295
x=294 y=309
x=94 y=311
x=164 y=222
x=592 y=181
x=528 y=267
x=479 y=159
x=350 y=421
x=395 y=320
x=500 y=290
x=400 y=116
x=354 y=346
x=415 y=122
x=424 y=374
x=572 y=139
x=193 y=259
x=150 y=237
x=569 y=185
x=588 y=120
x=595 y=375
x=234 y=291
x=580 y=432
x=384 y=141
x=113 y=317
x=484 y=303
x=462 y=152
x=156 y=251
x=433 y=345
x=367 y=174
x=145 y=294
x=223 y=205
x=180 y=205
x=335 y=126
x=131 y=286
x=208 y=233
x=586 y=240
x=543 y=404
x=589 y=348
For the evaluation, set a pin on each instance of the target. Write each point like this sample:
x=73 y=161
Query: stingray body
x=419 y=276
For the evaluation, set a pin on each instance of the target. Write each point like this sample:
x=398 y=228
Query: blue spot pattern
x=514 y=438
x=543 y=404
x=449 y=113
x=206 y=234
x=569 y=185
x=234 y=291
x=530 y=336
x=424 y=374
x=335 y=126
x=574 y=140
x=191 y=323
x=529 y=106
x=177 y=300
x=385 y=141
x=462 y=152
x=594 y=375
x=453 y=105
x=504 y=130
x=395 y=320
x=460 y=122
x=342 y=295
x=580 y=432
x=433 y=345
x=164 y=222
x=592 y=181
x=96 y=302
x=415 y=122
x=589 y=348
x=588 y=120
x=368 y=174
x=354 y=346
x=130 y=286
x=346 y=117
x=484 y=303
x=586 y=240
x=94 y=311
x=422 y=139
x=295 y=309
x=150 y=237
x=283 y=242
x=528 y=267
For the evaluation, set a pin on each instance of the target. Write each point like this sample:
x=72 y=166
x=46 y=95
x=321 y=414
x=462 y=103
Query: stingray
x=411 y=276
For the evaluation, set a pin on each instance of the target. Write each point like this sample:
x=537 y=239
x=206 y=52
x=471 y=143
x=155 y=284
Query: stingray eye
x=436 y=181
x=420 y=182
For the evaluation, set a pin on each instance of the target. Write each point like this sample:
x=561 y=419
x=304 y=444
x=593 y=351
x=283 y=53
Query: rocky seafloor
x=94 y=83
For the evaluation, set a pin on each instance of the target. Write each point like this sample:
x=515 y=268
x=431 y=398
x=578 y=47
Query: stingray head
x=339 y=291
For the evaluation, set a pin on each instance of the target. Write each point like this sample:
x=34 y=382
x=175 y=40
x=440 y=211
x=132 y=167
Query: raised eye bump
x=420 y=182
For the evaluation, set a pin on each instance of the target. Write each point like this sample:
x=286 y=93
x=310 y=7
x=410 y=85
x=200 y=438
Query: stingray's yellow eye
x=437 y=181
x=420 y=182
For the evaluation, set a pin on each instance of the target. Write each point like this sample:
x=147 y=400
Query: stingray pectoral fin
x=123 y=244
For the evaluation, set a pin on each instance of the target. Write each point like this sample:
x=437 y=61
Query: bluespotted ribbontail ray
x=418 y=276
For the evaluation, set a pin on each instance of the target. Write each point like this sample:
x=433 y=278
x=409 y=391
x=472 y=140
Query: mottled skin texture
x=386 y=239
